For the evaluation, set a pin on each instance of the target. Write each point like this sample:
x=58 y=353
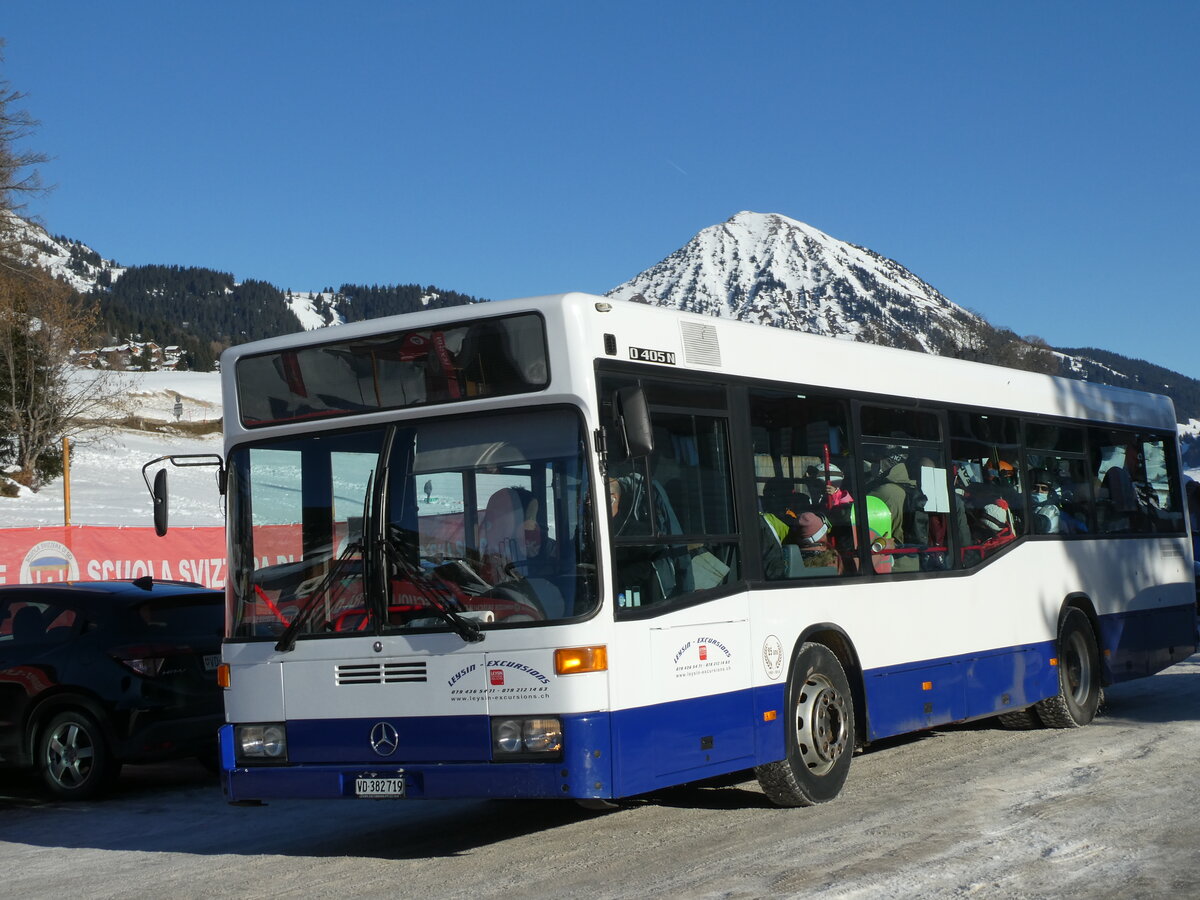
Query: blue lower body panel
x=923 y=694
x=1142 y=643
x=672 y=743
x=633 y=751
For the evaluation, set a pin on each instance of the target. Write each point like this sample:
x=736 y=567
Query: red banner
x=103 y=553
x=94 y=553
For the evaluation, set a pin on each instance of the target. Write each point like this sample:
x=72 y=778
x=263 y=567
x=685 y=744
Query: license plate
x=211 y=661
x=379 y=787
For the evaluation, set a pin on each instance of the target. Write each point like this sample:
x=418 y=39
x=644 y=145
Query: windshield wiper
x=468 y=630
x=287 y=640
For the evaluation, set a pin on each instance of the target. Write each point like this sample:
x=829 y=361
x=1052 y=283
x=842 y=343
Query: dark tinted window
x=1138 y=490
x=1053 y=437
x=484 y=358
x=27 y=622
x=198 y=617
x=891 y=422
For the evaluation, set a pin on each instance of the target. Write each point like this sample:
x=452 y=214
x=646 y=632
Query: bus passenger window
x=1136 y=488
x=805 y=477
x=988 y=506
x=906 y=469
x=1058 y=483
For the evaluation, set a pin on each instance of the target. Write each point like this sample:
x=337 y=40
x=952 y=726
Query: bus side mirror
x=160 y=502
x=633 y=421
x=158 y=490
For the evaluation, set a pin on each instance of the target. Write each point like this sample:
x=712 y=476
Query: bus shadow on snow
x=190 y=816
x=1172 y=695
x=23 y=788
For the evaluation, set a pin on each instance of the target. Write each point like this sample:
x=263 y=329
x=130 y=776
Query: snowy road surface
x=1104 y=811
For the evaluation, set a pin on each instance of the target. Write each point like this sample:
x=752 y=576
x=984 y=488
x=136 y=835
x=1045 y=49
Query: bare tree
x=19 y=178
x=44 y=396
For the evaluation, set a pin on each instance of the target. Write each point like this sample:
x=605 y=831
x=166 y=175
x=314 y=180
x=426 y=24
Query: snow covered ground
x=107 y=487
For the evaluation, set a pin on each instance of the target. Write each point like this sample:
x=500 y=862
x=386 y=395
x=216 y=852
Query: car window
x=180 y=616
x=23 y=622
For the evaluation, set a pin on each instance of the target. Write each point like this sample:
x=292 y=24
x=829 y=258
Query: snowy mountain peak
x=67 y=260
x=773 y=270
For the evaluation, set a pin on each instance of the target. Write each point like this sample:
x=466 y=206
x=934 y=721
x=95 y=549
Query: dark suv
x=96 y=674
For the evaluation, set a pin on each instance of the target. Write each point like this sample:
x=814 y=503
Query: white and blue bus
x=567 y=547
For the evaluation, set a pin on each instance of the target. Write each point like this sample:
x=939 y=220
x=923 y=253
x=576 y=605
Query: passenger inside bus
x=812 y=536
x=1044 y=502
x=825 y=485
x=906 y=507
x=776 y=553
x=781 y=505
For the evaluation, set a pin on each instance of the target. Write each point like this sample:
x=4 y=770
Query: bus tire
x=820 y=732
x=1020 y=719
x=1079 y=689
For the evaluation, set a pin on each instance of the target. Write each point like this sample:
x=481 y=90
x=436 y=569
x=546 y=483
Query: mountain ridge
x=765 y=268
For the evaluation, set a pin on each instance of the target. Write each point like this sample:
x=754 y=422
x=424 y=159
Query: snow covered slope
x=71 y=261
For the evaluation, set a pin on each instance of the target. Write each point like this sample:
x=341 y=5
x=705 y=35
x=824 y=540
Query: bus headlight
x=261 y=742
x=523 y=736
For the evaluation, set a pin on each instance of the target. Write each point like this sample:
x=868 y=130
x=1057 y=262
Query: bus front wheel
x=1079 y=690
x=820 y=732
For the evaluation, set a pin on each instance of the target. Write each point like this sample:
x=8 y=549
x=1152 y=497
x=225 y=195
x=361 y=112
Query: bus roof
x=698 y=343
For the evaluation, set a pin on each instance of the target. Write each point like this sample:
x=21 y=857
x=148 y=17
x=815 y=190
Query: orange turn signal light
x=223 y=675
x=770 y=715
x=574 y=660
x=927 y=685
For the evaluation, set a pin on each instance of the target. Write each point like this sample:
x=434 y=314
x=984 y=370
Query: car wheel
x=74 y=758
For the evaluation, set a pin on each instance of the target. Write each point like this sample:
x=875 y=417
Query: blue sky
x=1035 y=162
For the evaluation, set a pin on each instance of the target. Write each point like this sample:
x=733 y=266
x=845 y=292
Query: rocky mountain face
x=68 y=260
x=772 y=270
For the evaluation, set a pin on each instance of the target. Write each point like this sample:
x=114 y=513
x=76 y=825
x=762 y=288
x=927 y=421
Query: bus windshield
x=458 y=523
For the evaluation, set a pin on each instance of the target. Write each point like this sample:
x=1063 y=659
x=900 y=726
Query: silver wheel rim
x=821 y=718
x=70 y=755
x=1078 y=671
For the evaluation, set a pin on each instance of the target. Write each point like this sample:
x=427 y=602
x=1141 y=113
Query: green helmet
x=879 y=517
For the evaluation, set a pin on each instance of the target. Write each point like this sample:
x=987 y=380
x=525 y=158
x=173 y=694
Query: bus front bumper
x=583 y=774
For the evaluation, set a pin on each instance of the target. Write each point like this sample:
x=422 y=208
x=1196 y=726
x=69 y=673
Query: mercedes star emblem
x=384 y=739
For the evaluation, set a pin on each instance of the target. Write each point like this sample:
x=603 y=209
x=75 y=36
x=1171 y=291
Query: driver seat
x=509 y=532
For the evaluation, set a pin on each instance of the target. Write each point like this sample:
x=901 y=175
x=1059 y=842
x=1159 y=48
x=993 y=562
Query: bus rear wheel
x=820 y=732
x=1079 y=689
